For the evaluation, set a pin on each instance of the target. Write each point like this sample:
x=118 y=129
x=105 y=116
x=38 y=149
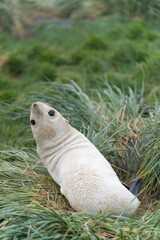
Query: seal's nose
x=34 y=104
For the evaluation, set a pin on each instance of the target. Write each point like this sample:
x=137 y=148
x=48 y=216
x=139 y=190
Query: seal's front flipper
x=135 y=187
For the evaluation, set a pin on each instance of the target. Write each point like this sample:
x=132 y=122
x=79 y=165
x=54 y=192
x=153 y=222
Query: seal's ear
x=67 y=120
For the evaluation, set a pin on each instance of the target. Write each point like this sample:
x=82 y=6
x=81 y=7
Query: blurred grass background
x=121 y=45
x=98 y=63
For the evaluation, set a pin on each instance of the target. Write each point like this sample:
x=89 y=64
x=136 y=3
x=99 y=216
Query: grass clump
x=43 y=53
x=96 y=43
x=129 y=105
x=136 y=30
x=31 y=203
x=14 y=15
x=94 y=64
x=129 y=53
x=150 y=155
x=77 y=56
x=14 y=64
x=90 y=8
x=43 y=70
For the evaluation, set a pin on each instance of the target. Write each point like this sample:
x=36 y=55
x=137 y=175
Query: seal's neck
x=54 y=140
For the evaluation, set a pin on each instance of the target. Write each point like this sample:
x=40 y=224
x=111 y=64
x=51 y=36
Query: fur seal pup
x=85 y=177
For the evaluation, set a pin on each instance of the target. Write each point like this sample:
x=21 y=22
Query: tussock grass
x=105 y=118
x=150 y=155
x=14 y=14
x=119 y=117
x=30 y=202
x=30 y=211
x=93 y=9
x=130 y=105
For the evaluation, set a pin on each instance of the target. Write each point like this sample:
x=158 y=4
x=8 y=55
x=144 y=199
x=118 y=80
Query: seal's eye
x=51 y=113
x=33 y=122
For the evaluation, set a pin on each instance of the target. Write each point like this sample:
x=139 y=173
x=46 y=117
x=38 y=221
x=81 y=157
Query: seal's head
x=46 y=122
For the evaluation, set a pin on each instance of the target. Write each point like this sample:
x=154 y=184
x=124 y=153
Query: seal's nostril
x=34 y=104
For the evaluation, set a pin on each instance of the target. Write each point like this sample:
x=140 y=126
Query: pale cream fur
x=86 y=178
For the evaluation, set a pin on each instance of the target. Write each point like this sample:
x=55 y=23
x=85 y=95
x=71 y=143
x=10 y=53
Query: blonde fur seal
x=85 y=177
